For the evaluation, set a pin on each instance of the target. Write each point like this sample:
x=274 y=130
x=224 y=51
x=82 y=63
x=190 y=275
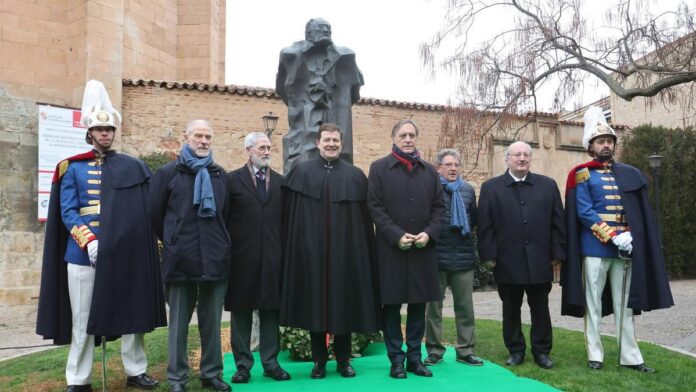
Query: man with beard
x=520 y=232
x=98 y=243
x=406 y=203
x=319 y=82
x=255 y=225
x=329 y=271
x=189 y=208
x=611 y=233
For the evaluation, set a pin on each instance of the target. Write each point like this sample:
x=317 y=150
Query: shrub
x=298 y=343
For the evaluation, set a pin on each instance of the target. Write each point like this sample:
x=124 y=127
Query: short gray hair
x=507 y=149
x=251 y=139
x=400 y=124
x=196 y=123
x=445 y=152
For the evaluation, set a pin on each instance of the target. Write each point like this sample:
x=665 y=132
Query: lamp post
x=655 y=161
x=269 y=123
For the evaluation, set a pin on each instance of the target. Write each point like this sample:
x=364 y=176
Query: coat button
x=525 y=221
x=526 y=242
x=411 y=219
x=522 y=202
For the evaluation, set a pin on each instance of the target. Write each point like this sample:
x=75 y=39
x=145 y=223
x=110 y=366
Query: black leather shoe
x=177 y=388
x=79 y=388
x=418 y=369
x=345 y=369
x=397 y=371
x=594 y=365
x=640 y=368
x=142 y=381
x=216 y=384
x=470 y=359
x=277 y=374
x=544 y=361
x=515 y=359
x=241 y=376
x=319 y=370
x=432 y=359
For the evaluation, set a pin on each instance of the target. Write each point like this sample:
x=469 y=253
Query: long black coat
x=406 y=202
x=328 y=251
x=195 y=248
x=256 y=232
x=521 y=226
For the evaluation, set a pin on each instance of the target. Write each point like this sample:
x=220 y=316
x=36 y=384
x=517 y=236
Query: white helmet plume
x=96 y=99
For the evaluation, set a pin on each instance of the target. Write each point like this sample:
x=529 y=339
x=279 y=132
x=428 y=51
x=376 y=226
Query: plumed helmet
x=100 y=118
x=97 y=109
x=595 y=125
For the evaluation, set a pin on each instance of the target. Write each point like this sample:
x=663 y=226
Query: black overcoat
x=400 y=202
x=328 y=264
x=521 y=227
x=255 y=228
x=649 y=282
x=127 y=296
x=194 y=248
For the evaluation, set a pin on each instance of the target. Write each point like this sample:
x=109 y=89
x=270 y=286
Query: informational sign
x=60 y=136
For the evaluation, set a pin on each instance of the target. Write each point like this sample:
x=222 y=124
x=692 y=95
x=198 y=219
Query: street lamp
x=655 y=161
x=269 y=123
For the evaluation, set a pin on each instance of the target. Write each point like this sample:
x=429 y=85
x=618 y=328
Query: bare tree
x=633 y=50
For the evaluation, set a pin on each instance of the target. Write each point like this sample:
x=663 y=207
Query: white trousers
x=78 y=370
x=596 y=270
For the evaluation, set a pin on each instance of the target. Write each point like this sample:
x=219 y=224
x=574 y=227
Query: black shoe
x=177 y=388
x=142 y=381
x=432 y=359
x=470 y=359
x=319 y=370
x=79 y=388
x=515 y=359
x=544 y=361
x=216 y=384
x=241 y=376
x=640 y=368
x=345 y=369
x=397 y=371
x=277 y=374
x=417 y=368
x=594 y=365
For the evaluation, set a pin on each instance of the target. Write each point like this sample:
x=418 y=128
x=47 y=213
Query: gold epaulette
x=63 y=167
x=603 y=232
x=82 y=235
x=582 y=175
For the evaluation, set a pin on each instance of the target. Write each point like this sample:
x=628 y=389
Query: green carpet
x=373 y=375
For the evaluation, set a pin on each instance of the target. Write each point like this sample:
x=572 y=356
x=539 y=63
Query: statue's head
x=318 y=32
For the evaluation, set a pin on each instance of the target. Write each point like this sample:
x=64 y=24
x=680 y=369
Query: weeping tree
x=632 y=47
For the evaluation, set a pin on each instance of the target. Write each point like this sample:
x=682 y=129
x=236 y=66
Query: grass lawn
x=44 y=371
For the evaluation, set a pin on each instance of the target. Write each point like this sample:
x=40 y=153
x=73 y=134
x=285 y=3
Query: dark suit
x=520 y=226
x=255 y=228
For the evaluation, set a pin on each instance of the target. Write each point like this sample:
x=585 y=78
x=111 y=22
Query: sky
x=384 y=34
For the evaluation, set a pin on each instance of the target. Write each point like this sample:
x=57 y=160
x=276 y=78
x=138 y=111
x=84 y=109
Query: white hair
x=251 y=139
x=195 y=123
x=507 y=150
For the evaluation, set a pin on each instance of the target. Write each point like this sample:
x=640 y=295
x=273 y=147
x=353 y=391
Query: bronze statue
x=319 y=82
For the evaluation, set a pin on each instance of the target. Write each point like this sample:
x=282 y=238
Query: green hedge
x=156 y=160
x=298 y=343
x=676 y=181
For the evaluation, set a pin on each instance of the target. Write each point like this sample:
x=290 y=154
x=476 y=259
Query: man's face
x=200 y=139
x=329 y=145
x=519 y=159
x=602 y=148
x=405 y=138
x=102 y=137
x=260 y=153
x=319 y=33
x=449 y=168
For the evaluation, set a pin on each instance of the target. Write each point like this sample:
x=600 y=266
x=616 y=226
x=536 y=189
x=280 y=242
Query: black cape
x=127 y=296
x=649 y=282
x=329 y=271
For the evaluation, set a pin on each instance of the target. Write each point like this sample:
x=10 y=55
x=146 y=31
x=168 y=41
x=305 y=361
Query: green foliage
x=677 y=215
x=156 y=160
x=298 y=343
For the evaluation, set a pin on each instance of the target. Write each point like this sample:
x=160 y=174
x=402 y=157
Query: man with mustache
x=255 y=225
x=609 y=221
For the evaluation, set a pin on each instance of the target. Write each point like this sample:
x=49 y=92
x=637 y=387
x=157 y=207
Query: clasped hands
x=408 y=240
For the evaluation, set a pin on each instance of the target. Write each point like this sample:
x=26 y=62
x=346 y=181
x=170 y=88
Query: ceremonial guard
x=98 y=243
x=611 y=234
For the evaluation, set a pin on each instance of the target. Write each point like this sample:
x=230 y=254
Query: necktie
x=261 y=185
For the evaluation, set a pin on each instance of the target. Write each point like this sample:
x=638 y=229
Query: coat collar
x=391 y=159
x=508 y=180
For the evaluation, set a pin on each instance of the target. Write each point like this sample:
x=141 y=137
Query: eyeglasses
x=450 y=164
x=520 y=155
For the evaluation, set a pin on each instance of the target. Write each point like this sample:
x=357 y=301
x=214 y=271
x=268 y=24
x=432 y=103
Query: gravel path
x=674 y=327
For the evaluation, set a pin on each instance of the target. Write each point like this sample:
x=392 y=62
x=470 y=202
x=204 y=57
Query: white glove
x=624 y=241
x=92 y=248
